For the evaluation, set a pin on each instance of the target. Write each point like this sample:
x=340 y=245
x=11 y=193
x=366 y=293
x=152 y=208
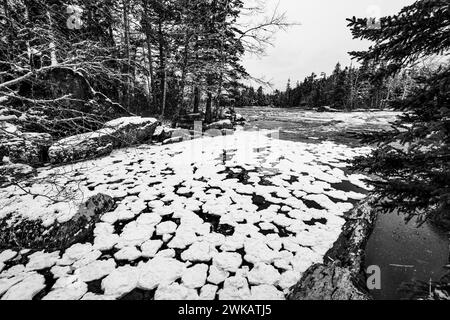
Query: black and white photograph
x=226 y=155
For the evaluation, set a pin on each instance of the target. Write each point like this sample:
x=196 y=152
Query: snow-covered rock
x=219 y=125
x=27 y=148
x=115 y=134
x=14 y=172
x=39 y=223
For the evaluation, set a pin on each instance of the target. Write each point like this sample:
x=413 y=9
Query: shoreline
x=341 y=276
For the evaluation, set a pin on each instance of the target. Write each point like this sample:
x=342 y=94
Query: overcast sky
x=321 y=40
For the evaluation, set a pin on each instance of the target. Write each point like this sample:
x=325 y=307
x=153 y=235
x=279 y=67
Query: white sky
x=321 y=40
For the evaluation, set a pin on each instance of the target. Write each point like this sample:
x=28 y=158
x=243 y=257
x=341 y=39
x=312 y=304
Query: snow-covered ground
x=235 y=217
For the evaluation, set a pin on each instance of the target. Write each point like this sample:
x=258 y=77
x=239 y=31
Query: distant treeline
x=346 y=88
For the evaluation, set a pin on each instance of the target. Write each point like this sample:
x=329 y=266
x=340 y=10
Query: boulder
x=26 y=148
x=18 y=233
x=173 y=140
x=224 y=124
x=14 y=172
x=119 y=133
x=333 y=282
x=239 y=118
x=131 y=130
x=80 y=147
x=162 y=133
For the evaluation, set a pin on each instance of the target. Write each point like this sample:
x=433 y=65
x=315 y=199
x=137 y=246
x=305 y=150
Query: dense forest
x=348 y=88
x=67 y=69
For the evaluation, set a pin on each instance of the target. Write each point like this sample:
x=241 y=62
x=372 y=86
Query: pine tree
x=413 y=161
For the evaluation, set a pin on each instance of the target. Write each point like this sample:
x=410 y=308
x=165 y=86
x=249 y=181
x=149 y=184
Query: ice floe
x=68 y=288
x=96 y=270
x=121 y=281
x=26 y=289
x=160 y=271
x=195 y=277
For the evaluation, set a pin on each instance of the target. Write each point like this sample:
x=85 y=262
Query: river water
x=404 y=252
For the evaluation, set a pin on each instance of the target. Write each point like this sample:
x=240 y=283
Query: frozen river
x=234 y=217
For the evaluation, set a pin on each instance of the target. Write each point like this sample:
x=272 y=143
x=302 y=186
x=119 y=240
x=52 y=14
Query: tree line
x=347 y=88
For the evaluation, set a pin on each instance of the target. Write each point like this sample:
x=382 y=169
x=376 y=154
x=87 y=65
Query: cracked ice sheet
x=160 y=191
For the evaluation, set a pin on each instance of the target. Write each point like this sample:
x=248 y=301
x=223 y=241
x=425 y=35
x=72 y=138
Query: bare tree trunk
x=184 y=70
x=196 y=87
x=162 y=66
x=208 y=115
x=164 y=94
x=196 y=99
x=148 y=34
x=127 y=50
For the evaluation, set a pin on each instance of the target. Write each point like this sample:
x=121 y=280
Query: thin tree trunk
x=196 y=87
x=184 y=70
x=162 y=65
x=164 y=95
x=148 y=34
x=196 y=99
x=127 y=51
x=208 y=115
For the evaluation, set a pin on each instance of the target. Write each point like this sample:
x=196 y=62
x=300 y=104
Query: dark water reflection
x=405 y=253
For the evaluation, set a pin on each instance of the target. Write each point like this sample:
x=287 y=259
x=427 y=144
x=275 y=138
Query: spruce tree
x=413 y=160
